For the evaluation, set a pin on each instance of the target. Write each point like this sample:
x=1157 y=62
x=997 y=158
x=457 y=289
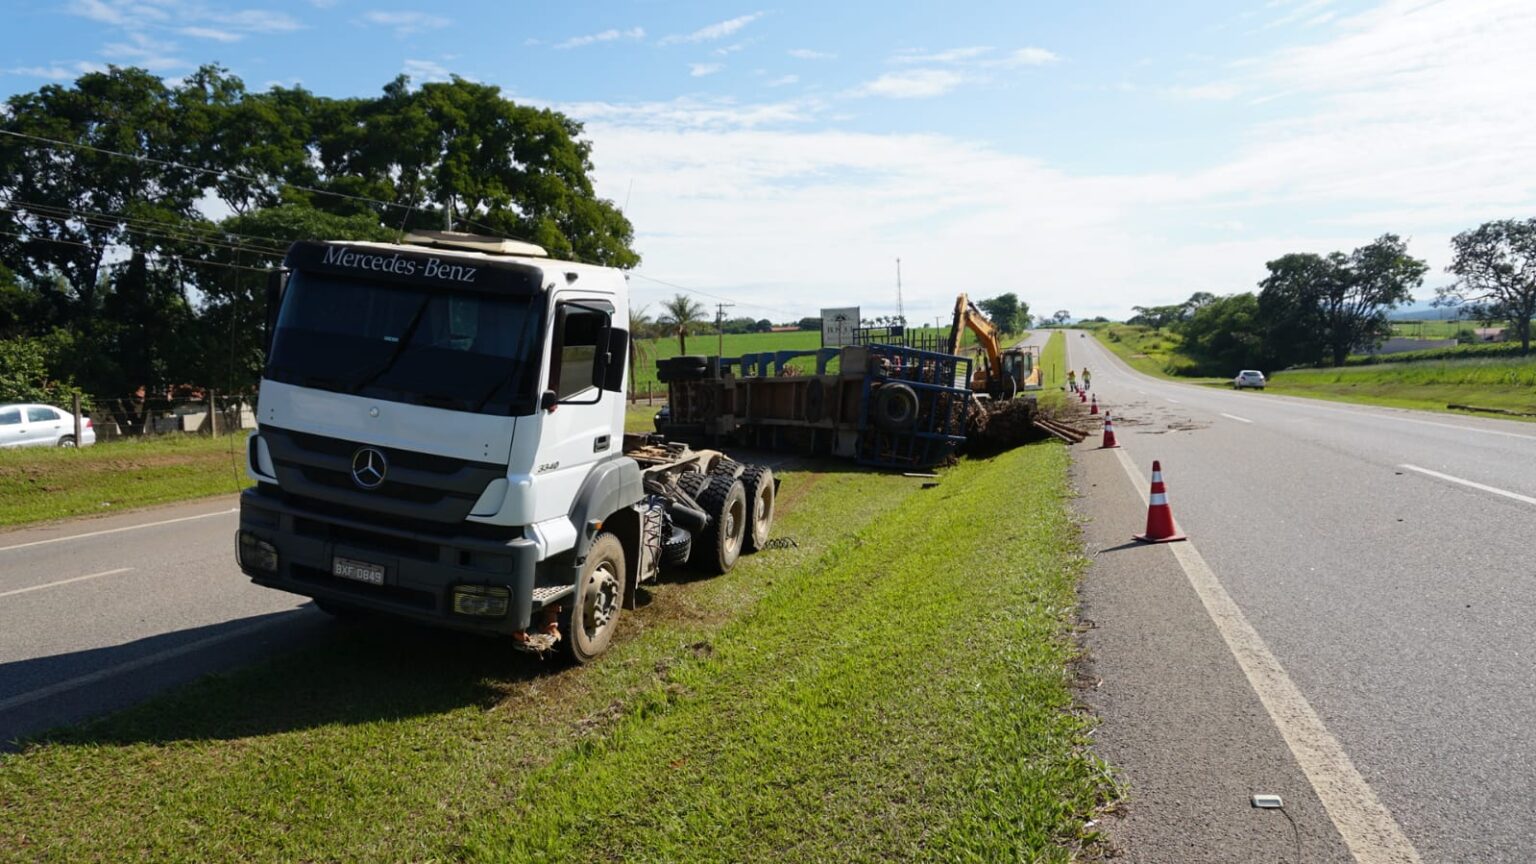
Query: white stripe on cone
x=1159 y=499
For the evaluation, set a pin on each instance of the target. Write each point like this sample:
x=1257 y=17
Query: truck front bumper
x=421 y=566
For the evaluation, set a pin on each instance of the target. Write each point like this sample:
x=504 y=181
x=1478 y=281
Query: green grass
x=53 y=483
x=1505 y=383
x=896 y=687
x=1053 y=371
x=1149 y=350
x=1439 y=329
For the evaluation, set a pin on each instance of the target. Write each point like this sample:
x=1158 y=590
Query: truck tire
x=717 y=547
x=894 y=408
x=688 y=367
x=675 y=549
x=727 y=465
x=693 y=482
x=589 y=617
x=757 y=482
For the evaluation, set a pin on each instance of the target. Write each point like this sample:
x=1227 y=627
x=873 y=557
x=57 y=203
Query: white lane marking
x=1235 y=417
x=1448 y=478
x=103 y=674
x=1174 y=401
x=1368 y=829
x=118 y=530
x=66 y=581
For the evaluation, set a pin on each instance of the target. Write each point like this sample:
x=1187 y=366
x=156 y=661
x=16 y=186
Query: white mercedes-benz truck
x=440 y=437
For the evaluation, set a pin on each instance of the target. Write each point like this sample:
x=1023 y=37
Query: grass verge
x=40 y=483
x=1503 y=383
x=1053 y=371
x=896 y=687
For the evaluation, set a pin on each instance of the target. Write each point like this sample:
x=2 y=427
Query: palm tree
x=639 y=327
x=681 y=312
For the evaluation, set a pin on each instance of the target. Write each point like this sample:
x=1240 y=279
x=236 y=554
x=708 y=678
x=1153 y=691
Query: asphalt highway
x=97 y=614
x=1382 y=559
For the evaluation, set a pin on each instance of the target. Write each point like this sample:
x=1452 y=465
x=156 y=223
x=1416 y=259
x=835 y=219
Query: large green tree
x=1224 y=333
x=1006 y=311
x=680 y=315
x=1495 y=267
x=1336 y=302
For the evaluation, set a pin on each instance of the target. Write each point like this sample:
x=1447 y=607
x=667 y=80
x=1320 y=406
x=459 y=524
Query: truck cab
x=440 y=430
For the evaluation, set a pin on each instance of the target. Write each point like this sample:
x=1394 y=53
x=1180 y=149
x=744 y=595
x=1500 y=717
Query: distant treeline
x=137 y=220
x=1318 y=309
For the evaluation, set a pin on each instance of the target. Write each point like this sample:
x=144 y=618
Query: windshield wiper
x=405 y=341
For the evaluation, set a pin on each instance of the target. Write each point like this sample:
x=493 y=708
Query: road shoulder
x=1179 y=721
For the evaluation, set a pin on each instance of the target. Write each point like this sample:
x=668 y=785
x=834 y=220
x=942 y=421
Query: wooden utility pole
x=78 y=430
x=720 y=328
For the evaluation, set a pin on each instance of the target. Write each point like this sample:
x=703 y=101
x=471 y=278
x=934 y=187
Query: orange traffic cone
x=1093 y=407
x=1082 y=395
x=1109 y=434
x=1160 y=527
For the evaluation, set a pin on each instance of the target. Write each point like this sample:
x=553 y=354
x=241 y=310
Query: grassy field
x=1507 y=383
x=1439 y=329
x=39 y=483
x=1053 y=370
x=895 y=686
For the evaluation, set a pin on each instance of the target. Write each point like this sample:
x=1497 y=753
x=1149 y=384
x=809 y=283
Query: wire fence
x=191 y=411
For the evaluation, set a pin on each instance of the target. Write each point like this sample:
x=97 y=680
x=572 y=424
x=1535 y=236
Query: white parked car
x=1248 y=378
x=32 y=425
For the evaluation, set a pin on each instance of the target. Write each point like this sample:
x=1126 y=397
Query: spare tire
x=894 y=408
x=687 y=367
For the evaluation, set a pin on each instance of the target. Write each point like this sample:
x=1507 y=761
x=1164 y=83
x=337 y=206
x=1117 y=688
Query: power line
x=154 y=233
x=247 y=241
x=189 y=261
x=710 y=294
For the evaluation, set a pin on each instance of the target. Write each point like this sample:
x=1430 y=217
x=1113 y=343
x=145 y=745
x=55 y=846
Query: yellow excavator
x=1003 y=373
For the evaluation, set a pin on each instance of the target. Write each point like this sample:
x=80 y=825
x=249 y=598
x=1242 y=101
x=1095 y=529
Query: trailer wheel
x=895 y=407
x=717 y=547
x=728 y=466
x=588 y=619
x=761 y=491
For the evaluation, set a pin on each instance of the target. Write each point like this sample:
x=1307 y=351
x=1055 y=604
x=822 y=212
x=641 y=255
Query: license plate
x=357 y=571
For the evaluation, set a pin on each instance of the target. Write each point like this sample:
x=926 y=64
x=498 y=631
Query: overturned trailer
x=888 y=406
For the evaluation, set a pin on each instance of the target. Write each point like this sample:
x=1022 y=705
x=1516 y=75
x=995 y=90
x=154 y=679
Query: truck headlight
x=255 y=553
x=481 y=601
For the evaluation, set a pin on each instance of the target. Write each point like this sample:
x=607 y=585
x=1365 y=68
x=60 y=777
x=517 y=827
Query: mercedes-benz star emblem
x=369 y=467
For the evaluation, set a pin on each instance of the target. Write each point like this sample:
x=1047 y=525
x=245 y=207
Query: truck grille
x=417 y=486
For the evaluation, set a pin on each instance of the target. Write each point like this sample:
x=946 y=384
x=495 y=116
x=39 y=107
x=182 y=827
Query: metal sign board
x=837 y=326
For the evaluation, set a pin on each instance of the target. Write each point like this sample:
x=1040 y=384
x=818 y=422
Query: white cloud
x=210 y=33
x=700 y=70
x=916 y=84
x=784 y=80
x=142 y=50
x=255 y=21
x=1029 y=57
x=609 y=35
x=406 y=23
x=727 y=50
x=1412 y=117
x=426 y=70
x=715 y=31
x=57 y=71
x=1213 y=92
x=808 y=54
x=953 y=55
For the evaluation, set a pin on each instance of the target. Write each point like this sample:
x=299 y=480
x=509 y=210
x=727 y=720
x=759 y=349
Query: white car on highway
x=33 y=425
x=1248 y=378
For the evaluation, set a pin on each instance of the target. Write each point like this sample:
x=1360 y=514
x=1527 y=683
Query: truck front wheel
x=590 y=616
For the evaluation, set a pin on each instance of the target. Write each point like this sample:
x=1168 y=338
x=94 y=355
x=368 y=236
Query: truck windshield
x=467 y=351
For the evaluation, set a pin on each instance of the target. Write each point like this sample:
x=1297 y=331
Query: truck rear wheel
x=757 y=482
x=590 y=616
x=716 y=548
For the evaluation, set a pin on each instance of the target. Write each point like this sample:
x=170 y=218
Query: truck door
x=580 y=429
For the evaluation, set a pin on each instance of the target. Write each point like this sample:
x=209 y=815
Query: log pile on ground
x=993 y=426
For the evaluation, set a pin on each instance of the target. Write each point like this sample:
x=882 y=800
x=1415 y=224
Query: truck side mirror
x=612 y=361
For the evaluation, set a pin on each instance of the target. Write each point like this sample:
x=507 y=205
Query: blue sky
x=1087 y=156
